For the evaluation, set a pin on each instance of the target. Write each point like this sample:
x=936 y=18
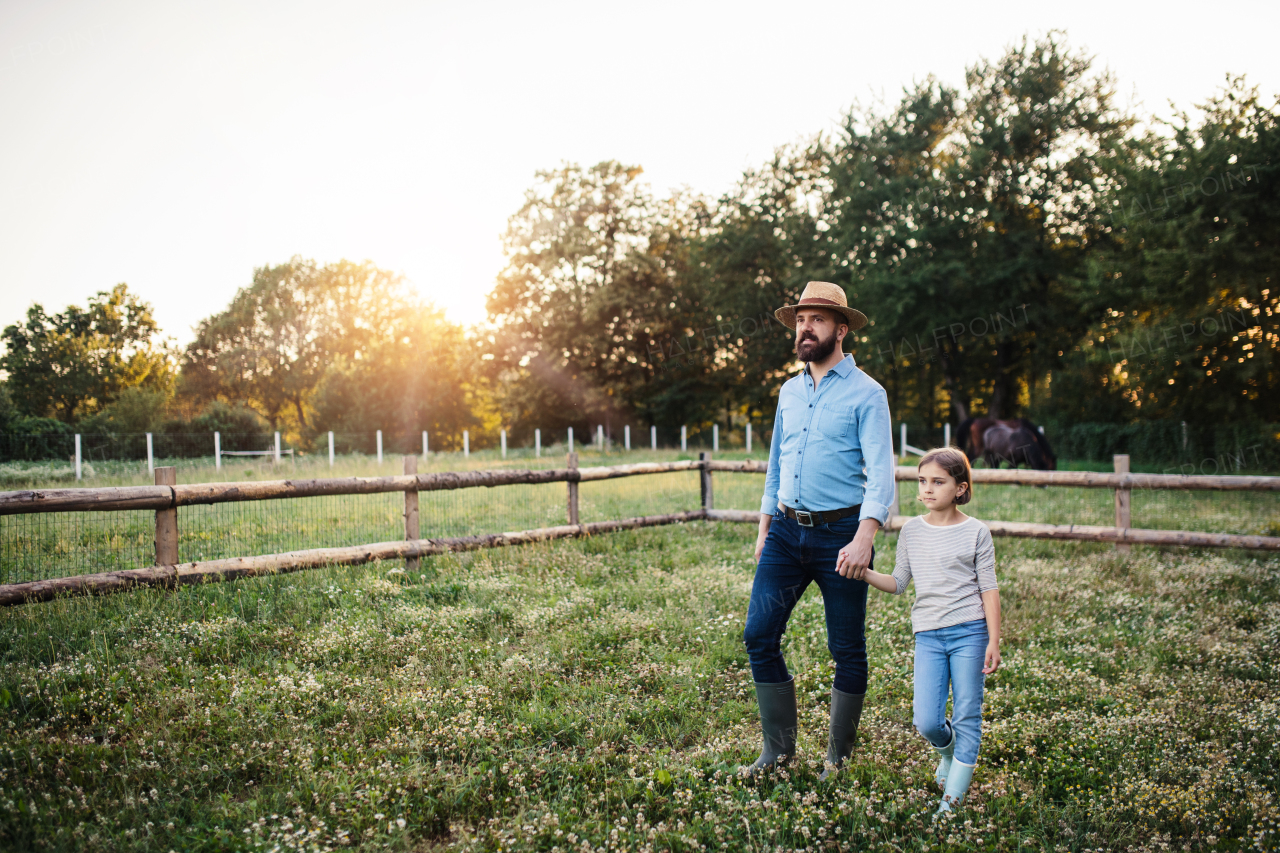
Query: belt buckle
x=803 y=518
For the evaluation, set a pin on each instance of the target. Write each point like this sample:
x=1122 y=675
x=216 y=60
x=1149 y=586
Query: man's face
x=818 y=332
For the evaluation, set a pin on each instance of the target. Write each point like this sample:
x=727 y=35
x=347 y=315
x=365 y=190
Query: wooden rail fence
x=167 y=495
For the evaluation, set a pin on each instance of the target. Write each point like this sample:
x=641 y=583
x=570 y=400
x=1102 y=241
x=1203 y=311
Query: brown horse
x=1014 y=440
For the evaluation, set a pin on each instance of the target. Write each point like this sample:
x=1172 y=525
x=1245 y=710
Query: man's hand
x=762 y=535
x=993 y=658
x=855 y=558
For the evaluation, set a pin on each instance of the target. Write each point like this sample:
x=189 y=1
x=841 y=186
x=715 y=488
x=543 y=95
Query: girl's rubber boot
x=945 y=754
x=777 y=722
x=957 y=786
x=846 y=711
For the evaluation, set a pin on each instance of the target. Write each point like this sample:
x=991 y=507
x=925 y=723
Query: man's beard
x=812 y=349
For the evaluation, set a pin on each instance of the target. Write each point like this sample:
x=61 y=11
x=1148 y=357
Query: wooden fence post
x=573 y=485
x=167 y=522
x=411 y=530
x=1121 y=463
x=708 y=496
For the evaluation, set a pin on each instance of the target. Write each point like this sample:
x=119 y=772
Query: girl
x=955 y=618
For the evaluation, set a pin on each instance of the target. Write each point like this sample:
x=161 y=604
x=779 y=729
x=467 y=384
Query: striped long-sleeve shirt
x=951 y=566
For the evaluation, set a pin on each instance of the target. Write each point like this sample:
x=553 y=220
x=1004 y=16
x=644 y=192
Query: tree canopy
x=73 y=364
x=1022 y=245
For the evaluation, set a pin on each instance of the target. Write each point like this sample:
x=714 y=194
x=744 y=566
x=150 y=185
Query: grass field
x=594 y=695
x=35 y=547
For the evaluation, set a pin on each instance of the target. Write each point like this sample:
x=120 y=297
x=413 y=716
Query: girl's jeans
x=950 y=660
x=794 y=557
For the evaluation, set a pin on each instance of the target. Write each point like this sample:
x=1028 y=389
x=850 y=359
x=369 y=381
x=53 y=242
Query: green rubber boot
x=957 y=786
x=777 y=721
x=846 y=711
x=944 y=759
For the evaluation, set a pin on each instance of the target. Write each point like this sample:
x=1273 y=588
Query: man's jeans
x=950 y=660
x=794 y=556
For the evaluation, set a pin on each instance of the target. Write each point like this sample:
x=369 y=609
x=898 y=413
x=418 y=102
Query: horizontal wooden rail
x=1030 y=530
x=86 y=500
x=745 y=516
x=1105 y=480
x=210 y=493
x=1089 y=533
x=746 y=466
x=242 y=567
x=166 y=497
x=611 y=471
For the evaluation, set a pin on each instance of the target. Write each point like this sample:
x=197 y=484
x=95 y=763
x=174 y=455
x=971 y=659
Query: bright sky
x=176 y=146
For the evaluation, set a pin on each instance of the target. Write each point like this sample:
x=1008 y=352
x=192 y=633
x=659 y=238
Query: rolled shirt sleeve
x=769 y=503
x=875 y=434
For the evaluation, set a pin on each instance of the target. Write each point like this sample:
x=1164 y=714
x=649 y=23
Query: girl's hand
x=993 y=658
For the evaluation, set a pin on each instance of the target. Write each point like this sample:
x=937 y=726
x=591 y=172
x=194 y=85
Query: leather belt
x=805 y=518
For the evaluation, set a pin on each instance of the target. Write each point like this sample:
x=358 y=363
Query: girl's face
x=938 y=489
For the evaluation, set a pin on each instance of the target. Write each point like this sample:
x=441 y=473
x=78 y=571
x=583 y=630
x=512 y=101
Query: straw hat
x=822 y=294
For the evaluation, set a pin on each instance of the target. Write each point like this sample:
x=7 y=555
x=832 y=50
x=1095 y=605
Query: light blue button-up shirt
x=833 y=447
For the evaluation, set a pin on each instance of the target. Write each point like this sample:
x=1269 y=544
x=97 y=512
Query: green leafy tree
x=418 y=373
x=966 y=220
x=272 y=346
x=767 y=239
x=1189 y=311
x=594 y=288
x=75 y=363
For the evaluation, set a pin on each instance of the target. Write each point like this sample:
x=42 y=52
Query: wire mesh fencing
x=40 y=546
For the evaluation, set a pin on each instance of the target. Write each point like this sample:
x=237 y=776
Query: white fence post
x=217 y=451
x=151 y=459
x=277 y=448
x=570 y=439
x=653 y=438
x=902 y=444
x=504 y=444
x=77 y=456
x=330 y=448
x=748 y=437
x=426 y=449
x=946 y=434
x=715 y=438
x=466 y=443
x=600 y=436
x=537 y=444
x=684 y=438
x=626 y=436
x=379 y=447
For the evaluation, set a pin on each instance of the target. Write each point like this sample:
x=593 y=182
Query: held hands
x=993 y=658
x=855 y=557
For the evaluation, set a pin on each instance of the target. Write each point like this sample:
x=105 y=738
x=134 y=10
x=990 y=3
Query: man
x=827 y=492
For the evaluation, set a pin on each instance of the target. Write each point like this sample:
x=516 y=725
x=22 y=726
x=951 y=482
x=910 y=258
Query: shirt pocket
x=834 y=419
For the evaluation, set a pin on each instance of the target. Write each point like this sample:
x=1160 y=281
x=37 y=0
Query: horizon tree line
x=1022 y=246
